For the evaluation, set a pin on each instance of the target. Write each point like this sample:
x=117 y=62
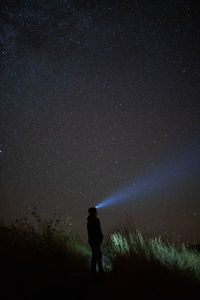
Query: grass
x=41 y=259
x=47 y=259
x=174 y=257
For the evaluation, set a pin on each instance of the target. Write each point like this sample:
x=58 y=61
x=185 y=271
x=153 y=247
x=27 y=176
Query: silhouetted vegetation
x=48 y=260
x=41 y=259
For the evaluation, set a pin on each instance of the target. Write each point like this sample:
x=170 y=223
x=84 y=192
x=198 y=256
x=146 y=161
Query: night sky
x=93 y=95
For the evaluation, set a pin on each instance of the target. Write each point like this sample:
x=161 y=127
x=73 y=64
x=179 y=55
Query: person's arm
x=99 y=229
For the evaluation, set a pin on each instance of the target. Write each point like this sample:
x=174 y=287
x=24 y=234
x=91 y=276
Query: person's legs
x=93 y=263
x=99 y=261
x=96 y=259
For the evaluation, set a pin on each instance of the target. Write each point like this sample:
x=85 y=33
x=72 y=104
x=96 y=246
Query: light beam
x=170 y=173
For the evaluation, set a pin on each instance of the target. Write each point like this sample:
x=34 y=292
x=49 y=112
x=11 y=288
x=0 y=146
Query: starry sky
x=92 y=94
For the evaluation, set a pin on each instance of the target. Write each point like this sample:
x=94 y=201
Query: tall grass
x=45 y=242
x=41 y=258
x=55 y=236
x=173 y=256
x=44 y=258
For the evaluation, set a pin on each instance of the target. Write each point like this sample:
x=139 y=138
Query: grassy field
x=49 y=261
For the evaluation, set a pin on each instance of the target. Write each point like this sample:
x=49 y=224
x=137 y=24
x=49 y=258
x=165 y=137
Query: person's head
x=92 y=211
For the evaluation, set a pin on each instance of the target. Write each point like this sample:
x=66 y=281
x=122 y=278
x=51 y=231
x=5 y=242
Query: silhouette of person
x=95 y=239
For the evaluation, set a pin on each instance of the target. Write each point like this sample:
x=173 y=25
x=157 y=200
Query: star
x=95 y=97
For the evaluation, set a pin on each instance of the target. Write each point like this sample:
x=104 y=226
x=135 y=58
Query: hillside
x=51 y=265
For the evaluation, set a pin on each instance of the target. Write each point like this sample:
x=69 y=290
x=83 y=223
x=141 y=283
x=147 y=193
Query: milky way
x=92 y=94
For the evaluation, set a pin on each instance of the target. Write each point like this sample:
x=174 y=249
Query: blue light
x=170 y=173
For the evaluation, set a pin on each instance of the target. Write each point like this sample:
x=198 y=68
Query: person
x=95 y=239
